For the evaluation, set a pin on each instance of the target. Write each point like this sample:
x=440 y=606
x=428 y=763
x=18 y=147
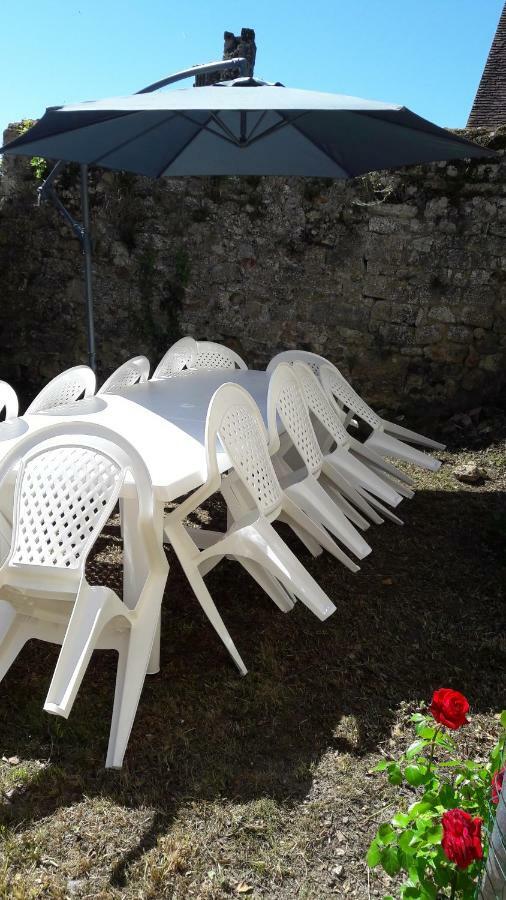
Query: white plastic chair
x=285 y=399
x=65 y=388
x=340 y=467
x=346 y=392
x=372 y=459
x=8 y=401
x=216 y=356
x=67 y=483
x=235 y=419
x=383 y=443
x=133 y=371
x=178 y=357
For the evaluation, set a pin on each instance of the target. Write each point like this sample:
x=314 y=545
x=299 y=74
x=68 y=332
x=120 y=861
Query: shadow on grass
x=424 y=611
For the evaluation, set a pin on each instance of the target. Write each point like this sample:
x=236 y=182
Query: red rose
x=497 y=781
x=461 y=837
x=449 y=708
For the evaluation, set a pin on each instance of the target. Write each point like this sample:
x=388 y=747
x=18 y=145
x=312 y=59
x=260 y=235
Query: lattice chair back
x=313 y=360
x=79 y=381
x=178 y=357
x=133 y=371
x=8 y=401
x=319 y=403
x=68 y=480
x=286 y=399
x=336 y=385
x=235 y=419
x=216 y=356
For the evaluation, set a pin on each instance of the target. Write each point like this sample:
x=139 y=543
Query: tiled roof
x=489 y=107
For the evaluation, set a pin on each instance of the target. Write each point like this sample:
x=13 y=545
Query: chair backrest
x=8 y=401
x=313 y=360
x=65 y=388
x=178 y=357
x=67 y=481
x=319 y=403
x=235 y=419
x=285 y=398
x=216 y=356
x=336 y=385
x=132 y=371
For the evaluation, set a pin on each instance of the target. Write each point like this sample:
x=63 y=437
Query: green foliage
x=38 y=164
x=411 y=842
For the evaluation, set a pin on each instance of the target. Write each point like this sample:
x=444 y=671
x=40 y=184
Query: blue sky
x=426 y=54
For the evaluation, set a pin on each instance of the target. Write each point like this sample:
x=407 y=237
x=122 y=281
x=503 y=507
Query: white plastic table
x=165 y=422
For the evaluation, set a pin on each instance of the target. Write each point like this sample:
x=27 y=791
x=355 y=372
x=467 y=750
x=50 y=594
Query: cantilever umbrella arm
x=82 y=232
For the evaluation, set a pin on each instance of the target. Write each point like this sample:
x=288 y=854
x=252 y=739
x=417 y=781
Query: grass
x=261 y=786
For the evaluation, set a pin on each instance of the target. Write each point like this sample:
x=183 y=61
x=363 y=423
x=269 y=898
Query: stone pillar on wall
x=235 y=45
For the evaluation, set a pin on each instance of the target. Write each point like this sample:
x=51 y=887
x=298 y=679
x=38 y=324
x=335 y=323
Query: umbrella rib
x=321 y=148
x=258 y=122
x=132 y=138
x=181 y=149
x=445 y=136
x=276 y=127
x=204 y=127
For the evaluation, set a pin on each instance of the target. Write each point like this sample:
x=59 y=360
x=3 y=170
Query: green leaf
x=415 y=775
x=400 y=820
x=418 y=717
x=415 y=747
x=395 y=774
x=405 y=840
x=425 y=731
x=447 y=796
x=502 y=718
x=373 y=855
x=434 y=834
x=381 y=766
x=390 y=860
x=386 y=834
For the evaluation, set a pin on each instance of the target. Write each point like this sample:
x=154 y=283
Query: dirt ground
x=262 y=786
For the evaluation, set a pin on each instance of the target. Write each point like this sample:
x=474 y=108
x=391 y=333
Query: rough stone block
x=494 y=362
x=479 y=316
x=429 y=334
x=460 y=334
x=441 y=314
x=396 y=334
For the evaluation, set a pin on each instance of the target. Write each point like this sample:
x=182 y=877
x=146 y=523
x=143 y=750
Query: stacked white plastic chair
x=216 y=356
x=178 y=358
x=133 y=371
x=340 y=467
x=8 y=401
x=286 y=400
x=234 y=419
x=387 y=438
x=67 y=481
x=79 y=381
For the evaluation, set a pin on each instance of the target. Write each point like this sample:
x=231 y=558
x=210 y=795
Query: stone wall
x=398 y=278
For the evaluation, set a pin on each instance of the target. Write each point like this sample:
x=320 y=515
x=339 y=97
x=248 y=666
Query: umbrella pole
x=86 y=244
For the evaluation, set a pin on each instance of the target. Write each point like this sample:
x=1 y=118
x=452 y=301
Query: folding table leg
x=134 y=569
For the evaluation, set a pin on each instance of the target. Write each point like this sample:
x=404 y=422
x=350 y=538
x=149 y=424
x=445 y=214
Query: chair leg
x=93 y=608
x=134 y=654
x=15 y=631
x=270 y=585
x=412 y=437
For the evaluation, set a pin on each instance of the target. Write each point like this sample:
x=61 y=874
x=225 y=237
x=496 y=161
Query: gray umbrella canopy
x=240 y=127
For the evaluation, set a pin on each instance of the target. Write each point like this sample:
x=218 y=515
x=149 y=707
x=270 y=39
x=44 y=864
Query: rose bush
x=436 y=840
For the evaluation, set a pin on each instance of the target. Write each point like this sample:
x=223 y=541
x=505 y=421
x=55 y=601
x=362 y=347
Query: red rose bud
x=461 y=838
x=497 y=782
x=449 y=708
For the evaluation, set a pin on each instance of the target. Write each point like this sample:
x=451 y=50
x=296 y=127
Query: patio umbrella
x=239 y=127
